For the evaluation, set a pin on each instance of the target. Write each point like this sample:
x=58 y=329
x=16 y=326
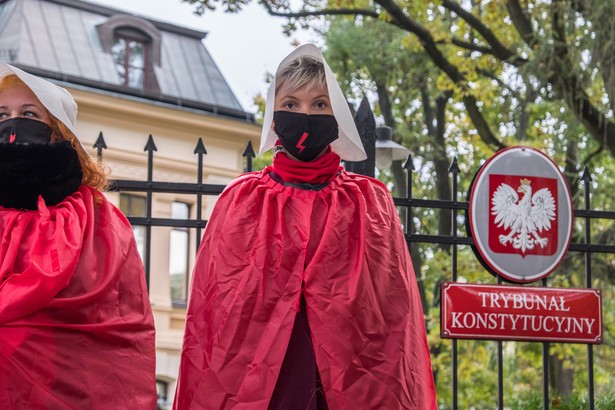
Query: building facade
x=133 y=77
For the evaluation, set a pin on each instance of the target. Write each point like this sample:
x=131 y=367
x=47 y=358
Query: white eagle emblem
x=525 y=218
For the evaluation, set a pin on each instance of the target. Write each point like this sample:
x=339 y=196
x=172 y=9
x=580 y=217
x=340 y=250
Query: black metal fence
x=199 y=189
x=586 y=248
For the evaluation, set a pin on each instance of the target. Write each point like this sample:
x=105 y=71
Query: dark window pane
x=130 y=60
x=162 y=389
x=135 y=78
x=179 y=241
x=118 y=52
x=134 y=205
x=136 y=57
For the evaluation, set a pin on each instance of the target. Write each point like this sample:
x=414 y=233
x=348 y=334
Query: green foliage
x=265 y=159
x=262 y=160
x=575 y=401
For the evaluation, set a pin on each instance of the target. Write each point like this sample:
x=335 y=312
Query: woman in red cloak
x=303 y=294
x=76 y=328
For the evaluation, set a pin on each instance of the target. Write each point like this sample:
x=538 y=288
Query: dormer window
x=134 y=46
x=130 y=57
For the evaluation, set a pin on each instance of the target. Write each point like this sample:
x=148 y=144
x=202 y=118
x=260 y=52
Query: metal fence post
x=366 y=125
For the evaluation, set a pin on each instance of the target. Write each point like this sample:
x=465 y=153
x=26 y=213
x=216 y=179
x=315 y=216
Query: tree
x=564 y=47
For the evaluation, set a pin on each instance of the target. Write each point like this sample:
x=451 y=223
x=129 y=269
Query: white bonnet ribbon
x=348 y=145
x=56 y=99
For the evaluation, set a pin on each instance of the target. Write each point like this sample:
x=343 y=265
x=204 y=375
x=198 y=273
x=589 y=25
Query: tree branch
x=516 y=60
x=568 y=85
x=324 y=12
x=521 y=22
x=401 y=20
x=497 y=48
x=580 y=6
x=427 y=110
x=591 y=156
x=430 y=47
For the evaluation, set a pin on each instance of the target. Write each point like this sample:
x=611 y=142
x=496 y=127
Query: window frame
x=129 y=69
x=142 y=30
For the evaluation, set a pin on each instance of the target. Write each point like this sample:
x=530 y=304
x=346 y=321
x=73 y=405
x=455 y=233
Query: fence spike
x=409 y=164
x=366 y=125
x=100 y=145
x=249 y=151
x=587 y=176
x=200 y=147
x=454 y=168
x=100 y=142
x=150 y=146
x=364 y=118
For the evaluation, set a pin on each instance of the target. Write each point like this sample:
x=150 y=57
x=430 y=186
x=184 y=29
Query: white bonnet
x=56 y=99
x=348 y=145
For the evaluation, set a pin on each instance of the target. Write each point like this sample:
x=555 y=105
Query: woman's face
x=19 y=101
x=312 y=100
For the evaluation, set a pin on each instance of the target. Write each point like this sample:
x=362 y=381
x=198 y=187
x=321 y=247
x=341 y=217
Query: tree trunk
x=560 y=377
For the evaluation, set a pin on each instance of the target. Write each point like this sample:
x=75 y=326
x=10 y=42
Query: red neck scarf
x=323 y=169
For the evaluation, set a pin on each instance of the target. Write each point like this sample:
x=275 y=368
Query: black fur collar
x=29 y=170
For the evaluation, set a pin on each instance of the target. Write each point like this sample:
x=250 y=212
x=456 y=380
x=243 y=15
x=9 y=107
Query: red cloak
x=345 y=243
x=76 y=328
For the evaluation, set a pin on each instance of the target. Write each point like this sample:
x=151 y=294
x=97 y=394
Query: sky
x=245 y=46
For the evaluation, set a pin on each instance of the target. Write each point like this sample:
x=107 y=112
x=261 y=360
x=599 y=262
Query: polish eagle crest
x=526 y=218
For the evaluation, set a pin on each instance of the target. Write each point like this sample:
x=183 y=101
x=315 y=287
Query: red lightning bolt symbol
x=12 y=138
x=300 y=143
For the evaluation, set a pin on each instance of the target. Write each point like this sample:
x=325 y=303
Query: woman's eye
x=289 y=105
x=29 y=114
x=320 y=105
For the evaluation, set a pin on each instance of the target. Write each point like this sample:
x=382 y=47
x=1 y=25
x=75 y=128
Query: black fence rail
x=407 y=203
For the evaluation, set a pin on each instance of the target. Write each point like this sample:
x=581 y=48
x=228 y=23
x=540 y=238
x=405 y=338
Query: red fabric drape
x=76 y=328
x=345 y=243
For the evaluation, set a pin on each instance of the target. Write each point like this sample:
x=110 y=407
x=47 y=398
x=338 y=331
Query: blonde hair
x=303 y=71
x=94 y=175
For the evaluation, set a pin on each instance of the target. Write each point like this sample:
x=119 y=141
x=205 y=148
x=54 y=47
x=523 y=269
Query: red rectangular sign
x=500 y=312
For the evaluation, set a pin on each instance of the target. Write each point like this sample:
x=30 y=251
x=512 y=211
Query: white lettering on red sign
x=502 y=321
x=523 y=301
x=517 y=313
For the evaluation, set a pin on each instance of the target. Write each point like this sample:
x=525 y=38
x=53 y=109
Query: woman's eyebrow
x=4 y=107
x=290 y=95
x=30 y=105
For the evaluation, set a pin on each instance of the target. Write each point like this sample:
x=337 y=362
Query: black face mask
x=304 y=136
x=24 y=130
x=31 y=165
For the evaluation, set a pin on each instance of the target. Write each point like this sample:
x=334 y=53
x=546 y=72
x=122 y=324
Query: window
x=162 y=388
x=129 y=55
x=179 y=243
x=134 y=205
x=134 y=46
